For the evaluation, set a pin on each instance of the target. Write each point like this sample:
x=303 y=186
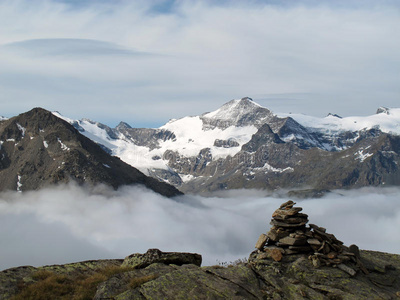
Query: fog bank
x=71 y=223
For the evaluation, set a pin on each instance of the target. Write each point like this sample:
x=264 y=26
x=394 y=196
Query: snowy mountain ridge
x=197 y=151
x=387 y=120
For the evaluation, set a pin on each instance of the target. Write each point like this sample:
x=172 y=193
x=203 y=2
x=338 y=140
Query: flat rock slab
x=300 y=248
x=286 y=225
x=275 y=235
x=314 y=242
x=191 y=282
x=293 y=241
x=262 y=240
x=284 y=213
x=291 y=220
x=287 y=204
x=275 y=254
x=152 y=256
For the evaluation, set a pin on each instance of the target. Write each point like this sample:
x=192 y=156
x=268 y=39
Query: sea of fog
x=71 y=223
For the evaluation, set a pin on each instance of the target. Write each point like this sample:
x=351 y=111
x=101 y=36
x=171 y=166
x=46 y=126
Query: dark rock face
x=39 y=149
x=264 y=136
x=290 y=130
x=383 y=110
x=147 y=137
x=373 y=160
x=226 y=143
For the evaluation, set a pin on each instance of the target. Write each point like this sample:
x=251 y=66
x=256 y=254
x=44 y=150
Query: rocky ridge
x=38 y=149
x=325 y=270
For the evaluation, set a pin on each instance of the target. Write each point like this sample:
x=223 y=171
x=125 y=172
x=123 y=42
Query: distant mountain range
x=245 y=145
x=38 y=149
x=241 y=145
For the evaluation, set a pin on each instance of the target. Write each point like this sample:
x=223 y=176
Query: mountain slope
x=244 y=145
x=38 y=149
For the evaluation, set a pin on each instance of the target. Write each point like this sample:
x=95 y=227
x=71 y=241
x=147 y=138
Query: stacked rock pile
x=290 y=235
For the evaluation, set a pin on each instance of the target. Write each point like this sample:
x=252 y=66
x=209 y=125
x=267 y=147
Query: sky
x=147 y=61
x=70 y=223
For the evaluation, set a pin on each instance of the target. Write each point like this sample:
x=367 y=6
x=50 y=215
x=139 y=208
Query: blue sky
x=145 y=62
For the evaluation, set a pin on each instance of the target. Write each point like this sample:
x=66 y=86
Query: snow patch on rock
x=19 y=184
x=22 y=129
x=63 y=146
x=361 y=156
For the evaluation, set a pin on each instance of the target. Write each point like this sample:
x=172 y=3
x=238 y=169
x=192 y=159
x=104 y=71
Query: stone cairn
x=289 y=235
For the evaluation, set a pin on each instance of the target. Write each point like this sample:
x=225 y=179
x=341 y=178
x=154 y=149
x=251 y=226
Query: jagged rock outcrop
x=147 y=137
x=226 y=143
x=321 y=267
x=38 y=149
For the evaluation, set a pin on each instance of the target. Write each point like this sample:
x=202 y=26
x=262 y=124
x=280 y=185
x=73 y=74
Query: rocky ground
x=158 y=275
x=292 y=261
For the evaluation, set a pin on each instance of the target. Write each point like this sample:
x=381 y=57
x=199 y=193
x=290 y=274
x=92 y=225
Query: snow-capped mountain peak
x=239 y=113
x=233 y=109
x=122 y=126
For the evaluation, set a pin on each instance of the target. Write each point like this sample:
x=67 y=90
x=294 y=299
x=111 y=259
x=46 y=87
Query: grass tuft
x=138 y=281
x=54 y=286
x=224 y=264
x=41 y=275
x=49 y=285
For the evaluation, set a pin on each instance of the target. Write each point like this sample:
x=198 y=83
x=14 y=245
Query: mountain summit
x=39 y=149
x=242 y=112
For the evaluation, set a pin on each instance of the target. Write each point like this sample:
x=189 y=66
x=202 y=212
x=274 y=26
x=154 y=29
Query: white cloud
x=70 y=223
x=343 y=57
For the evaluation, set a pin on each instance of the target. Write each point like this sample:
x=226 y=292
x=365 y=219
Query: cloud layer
x=71 y=223
x=303 y=56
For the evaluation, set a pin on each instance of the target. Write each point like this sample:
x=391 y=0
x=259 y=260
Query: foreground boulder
x=152 y=256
